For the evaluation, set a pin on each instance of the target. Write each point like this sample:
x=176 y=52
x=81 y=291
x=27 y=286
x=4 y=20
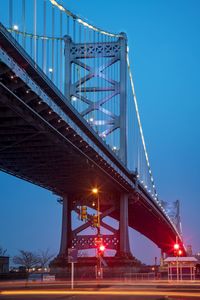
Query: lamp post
x=176 y=249
x=99 y=271
x=180 y=252
x=96 y=192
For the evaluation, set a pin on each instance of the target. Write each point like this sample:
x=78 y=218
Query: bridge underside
x=31 y=151
x=37 y=146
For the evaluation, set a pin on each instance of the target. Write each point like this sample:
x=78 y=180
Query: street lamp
x=100 y=248
x=176 y=252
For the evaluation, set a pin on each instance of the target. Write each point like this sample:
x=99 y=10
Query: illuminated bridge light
x=50 y=70
x=15 y=27
x=73 y=98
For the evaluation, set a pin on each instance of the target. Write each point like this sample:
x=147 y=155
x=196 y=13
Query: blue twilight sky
x=164 y=42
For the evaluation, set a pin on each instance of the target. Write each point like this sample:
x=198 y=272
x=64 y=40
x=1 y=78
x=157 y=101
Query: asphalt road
x=89 y=298
x=100 y=291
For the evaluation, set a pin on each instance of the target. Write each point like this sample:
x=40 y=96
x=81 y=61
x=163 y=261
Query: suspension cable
x=81 y=21
x=140 y=124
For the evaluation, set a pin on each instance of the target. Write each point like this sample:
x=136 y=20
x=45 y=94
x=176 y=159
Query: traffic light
x=98 y=241
x=180 y=252
x=176 y=246
x=101 y=248
x=176 y=249
x=95 y=220
x=83 y=213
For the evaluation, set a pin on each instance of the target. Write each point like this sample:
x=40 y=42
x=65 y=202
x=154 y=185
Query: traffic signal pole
x=99 y=271
x=98 y=215
x=100 y=246
x=177 y=266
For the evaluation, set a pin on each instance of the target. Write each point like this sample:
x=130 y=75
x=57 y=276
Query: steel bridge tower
x=78 y=54
x=116 y=52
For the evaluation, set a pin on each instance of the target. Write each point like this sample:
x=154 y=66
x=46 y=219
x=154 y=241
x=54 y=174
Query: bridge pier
x=123 y=225
x=66 y=233
x=66 y=227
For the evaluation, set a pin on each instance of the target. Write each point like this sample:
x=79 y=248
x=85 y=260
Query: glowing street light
x=101 y=247
x=95 y=191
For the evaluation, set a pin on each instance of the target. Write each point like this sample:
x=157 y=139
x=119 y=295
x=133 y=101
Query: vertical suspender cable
x=44 y=52
x=74 y=66
x=35 y=32
x=24 y=23
x=10 y=13
x=31 y=46
x=57 y=57
x=37 y=47
x=47 y=57
x=80 y=73
x=61 y=52
x=84 y=41
x=68 y=25
x=53 y=50
x=94 y=66
x=111 y=109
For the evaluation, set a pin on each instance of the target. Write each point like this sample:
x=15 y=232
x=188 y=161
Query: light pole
x=96 y=192
x=176 y=249
x=99 y=270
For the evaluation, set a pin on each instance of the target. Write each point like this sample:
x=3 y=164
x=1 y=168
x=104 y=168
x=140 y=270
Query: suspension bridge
x=69 y=121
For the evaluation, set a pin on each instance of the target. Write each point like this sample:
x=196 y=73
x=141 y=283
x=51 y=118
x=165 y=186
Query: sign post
x=72 y=258
x=99 y=243
x=72 y=275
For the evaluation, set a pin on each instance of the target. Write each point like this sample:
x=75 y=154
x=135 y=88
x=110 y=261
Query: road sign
x=72 y=255
x=72 y=258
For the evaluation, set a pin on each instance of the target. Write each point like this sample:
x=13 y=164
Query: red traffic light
x=176 y=246
x=180 y=252
x=102 y=248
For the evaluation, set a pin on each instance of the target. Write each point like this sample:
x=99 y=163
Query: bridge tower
x=85 y=56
